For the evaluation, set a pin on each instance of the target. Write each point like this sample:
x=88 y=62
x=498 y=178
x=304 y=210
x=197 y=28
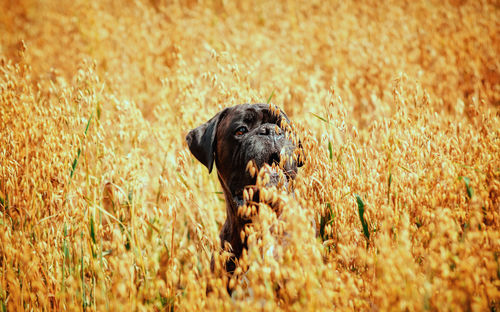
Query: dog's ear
x=201 y=140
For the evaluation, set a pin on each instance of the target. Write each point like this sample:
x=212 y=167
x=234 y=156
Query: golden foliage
x=102 y=207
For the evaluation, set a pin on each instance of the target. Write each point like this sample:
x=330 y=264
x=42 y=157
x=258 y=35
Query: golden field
x=397 y=104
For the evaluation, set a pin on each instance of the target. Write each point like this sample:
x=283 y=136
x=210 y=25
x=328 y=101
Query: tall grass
x=102 y=207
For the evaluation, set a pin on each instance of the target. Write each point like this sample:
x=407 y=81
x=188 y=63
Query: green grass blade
x=320 y=118
x=330 y=150
x=270 y=97
x=92 y=228
x=389 y=182
x=88 y=123
x=467 y=186
x=75 y=161
x=361 y=210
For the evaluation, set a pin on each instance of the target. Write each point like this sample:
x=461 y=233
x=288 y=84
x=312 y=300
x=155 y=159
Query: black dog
x=232 y=138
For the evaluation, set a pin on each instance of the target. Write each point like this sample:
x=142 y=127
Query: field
x=397 y=105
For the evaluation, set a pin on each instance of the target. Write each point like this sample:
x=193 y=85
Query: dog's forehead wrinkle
x=246 y=115
x=250 y=116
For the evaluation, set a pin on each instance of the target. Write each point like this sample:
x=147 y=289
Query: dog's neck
x=232 y=201
x=234 y=224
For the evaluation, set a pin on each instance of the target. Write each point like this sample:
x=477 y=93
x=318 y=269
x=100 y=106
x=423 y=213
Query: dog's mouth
x=274 y=158
x=277 y=164
x=274 y=169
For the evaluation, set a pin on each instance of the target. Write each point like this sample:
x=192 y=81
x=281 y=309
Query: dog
x=231 y=139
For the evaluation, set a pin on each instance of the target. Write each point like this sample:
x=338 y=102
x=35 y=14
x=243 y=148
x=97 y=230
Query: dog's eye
x=241 y=130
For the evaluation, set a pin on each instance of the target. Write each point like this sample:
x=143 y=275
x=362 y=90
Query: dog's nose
x=269 y=129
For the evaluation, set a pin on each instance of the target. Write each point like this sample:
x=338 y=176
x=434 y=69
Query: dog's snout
x=269 y=129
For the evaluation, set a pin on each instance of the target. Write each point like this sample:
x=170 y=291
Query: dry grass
x=103 y=208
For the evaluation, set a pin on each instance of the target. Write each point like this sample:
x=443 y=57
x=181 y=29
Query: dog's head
x=239 y=134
